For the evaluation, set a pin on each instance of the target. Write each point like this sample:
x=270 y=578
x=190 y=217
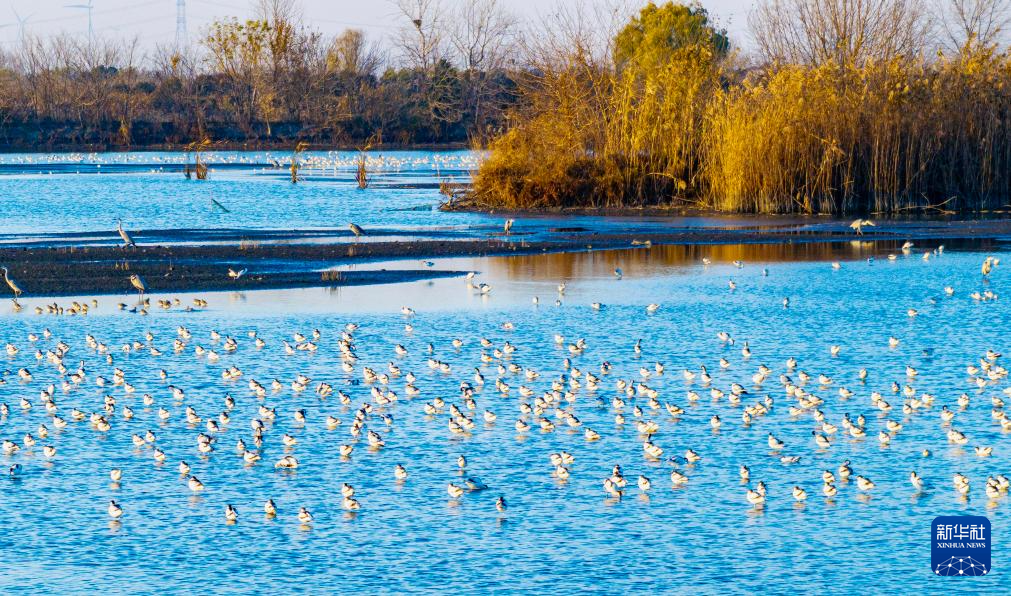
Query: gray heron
x=12 y=284
x=124 y=234
x=508 y=225
x=858 y=225
x=138 y=283
x=356 y=230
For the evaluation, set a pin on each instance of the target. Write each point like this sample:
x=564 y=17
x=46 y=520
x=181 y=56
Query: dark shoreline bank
x=278 y=146
x=463 y=203
x=92 y=270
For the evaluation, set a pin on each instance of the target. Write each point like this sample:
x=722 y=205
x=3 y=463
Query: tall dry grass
x=588 y=136
x=867 y=136
x=881 y=138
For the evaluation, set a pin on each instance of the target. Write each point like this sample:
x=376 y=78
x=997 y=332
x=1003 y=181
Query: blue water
x=148 y=197
x=77 y=198
x=556 y=536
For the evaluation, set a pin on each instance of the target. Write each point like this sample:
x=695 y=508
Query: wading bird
x=356 y=230
x=124 y=234
x=138 y=283
x=858 y=225
x=12 y=284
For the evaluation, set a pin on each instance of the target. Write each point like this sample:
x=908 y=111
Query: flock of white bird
x=311 y=161
x=493 y=389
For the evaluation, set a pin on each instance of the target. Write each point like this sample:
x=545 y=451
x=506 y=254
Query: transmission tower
x=180 y=25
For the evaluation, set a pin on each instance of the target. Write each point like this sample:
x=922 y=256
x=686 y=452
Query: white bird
x=124 y=234
x=138 y=283
x=985 y=269
x=236 y=274
x=858 y=225
x=508 y=225
x=11 y=284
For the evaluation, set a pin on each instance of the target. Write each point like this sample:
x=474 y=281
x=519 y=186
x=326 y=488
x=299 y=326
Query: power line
x=97 y=12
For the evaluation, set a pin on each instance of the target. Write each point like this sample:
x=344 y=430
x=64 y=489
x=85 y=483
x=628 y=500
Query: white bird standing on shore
x=138 y=283
x=858 y=225
x=128 y=241
x=12 y=284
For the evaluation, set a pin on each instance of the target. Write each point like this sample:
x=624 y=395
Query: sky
x=154 y=21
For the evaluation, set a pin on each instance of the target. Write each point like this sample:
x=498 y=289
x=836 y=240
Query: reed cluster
x=878 y=138
x=683 y=124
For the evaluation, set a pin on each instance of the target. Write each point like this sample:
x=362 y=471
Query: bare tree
x=423 y=39
x=352 y=52
x=274 y=11
x=841 y=31
x=575 y=35
x=483 y=35
x=968 y=23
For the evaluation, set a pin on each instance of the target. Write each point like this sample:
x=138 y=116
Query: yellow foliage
x=886 y=136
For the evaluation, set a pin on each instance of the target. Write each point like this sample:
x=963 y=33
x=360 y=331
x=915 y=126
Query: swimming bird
x=304 y=516
x=500 y=504
x=115 y=511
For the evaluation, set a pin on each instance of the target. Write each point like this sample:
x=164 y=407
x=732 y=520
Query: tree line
x=272 y=80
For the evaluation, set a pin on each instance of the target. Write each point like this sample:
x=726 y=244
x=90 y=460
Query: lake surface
x=77 y=198
x=557 y=536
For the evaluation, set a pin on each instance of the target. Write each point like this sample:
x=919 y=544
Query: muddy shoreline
x=93 y=270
